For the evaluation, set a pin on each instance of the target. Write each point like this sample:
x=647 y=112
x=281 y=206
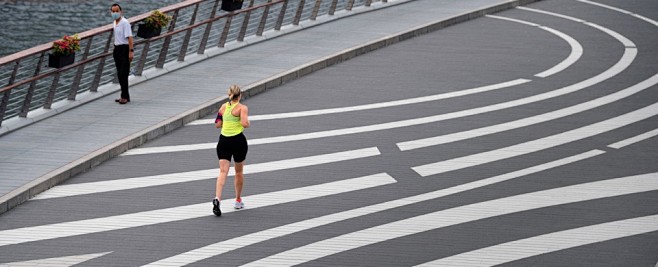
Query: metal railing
x=195 y=26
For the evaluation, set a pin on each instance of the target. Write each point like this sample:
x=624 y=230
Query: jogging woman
x=232 y=118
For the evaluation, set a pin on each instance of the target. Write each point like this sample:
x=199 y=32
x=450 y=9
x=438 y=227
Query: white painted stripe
x=464 y=214
x=454 y=137
x=576 y=48
x=551 y=13
x=74 y=228
x=655 y=23
x=55 y=262
x=634 y=139
x=547 y=243
x=621 y=38
x=377 y=105
x=250 y=239
x=606 y=6
x=181 y=177
x=537 y=144
x=513 y=20
x=624 y=40
x=625 y=61
x=576 y=53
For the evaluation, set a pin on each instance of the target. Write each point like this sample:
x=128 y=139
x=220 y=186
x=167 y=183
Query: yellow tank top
x=231 y=125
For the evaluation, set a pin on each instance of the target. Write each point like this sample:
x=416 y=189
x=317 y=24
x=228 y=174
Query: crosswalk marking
x=74 y=228
x=468 y=213
x=547 y=243
x=246 y=240
x=181 y=177
x=537 y=144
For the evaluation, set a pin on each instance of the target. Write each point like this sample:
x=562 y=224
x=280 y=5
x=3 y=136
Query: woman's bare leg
x=221 y=179
x=239 y=179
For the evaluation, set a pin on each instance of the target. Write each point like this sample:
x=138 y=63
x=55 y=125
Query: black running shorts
x=234 y=146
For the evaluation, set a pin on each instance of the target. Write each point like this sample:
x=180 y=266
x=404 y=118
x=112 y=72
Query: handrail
x=86 y=34
x=155 y=38
x=26 y=86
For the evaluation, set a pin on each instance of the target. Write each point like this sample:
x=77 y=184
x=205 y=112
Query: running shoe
x=238 y=205
x=215 y=207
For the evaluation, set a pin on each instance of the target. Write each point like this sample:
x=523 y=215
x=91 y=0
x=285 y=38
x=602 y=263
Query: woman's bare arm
x=244 y=116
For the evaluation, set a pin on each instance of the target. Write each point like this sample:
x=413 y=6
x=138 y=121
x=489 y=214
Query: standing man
x=123 y=50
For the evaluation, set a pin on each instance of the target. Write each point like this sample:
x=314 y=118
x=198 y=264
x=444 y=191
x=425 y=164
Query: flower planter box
x=231 y=5
x=147 y=32
x=58 y=61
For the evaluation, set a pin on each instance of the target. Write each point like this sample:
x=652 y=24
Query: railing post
x=142 y=58
x=316 y=9
x=165 y=46
x=206 y=34
x=101 y=65
x=350 y=4
x=30 y=90
x=3 y=105
x=298 y=15
x=263 y=19
x=5 y=97
x=188 y=34
x=76 y=82
x=245 y=23
x=332 y=9
x=227 y=26
x=51 y=92
x=282 y=14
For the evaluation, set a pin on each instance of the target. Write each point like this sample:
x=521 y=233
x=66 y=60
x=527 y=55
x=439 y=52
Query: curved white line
x=537 y=144
x=181 y=177
x=250 y=239
x=608 y=7
x=552 y=14
x=416 y=100
x=655 y=23
x=547 y=243
x=621 y=38
x=576 y=53
x=576 y=48
x=98 y=225
x=459 y=136
x=464 y=214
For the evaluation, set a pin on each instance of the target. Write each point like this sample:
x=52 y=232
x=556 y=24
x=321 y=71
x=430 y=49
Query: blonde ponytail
x=233 y=92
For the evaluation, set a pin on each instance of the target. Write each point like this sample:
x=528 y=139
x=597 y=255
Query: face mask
x=116 y=15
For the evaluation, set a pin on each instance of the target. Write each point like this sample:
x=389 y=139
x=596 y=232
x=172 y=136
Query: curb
x=25 y=192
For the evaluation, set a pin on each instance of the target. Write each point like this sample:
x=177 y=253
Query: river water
x=25 y=24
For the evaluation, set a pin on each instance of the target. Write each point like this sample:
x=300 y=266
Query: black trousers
x=122 y=62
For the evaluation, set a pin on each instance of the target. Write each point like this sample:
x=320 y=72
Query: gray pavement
x=528 y=174
x=90 y=134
